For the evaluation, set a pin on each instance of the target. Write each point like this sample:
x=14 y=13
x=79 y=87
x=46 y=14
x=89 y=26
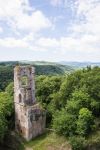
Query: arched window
x=24 y=80
x=20 y=98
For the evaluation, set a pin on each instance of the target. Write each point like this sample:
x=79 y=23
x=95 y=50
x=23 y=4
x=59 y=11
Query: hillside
x=79 y=65
x=41 y=68
x=72 y=105
x=48 y=141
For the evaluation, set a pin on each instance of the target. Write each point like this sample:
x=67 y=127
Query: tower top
x=24 y=70
x=24 y=85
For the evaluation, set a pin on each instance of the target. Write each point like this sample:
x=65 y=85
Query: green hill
x=72 y=105
x=41 y=68
x=79 y=65
x=48 y=68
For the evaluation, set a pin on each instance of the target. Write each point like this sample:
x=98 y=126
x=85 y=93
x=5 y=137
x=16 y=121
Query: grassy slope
x=93 y=142
x=48 y=141
x=51 y=141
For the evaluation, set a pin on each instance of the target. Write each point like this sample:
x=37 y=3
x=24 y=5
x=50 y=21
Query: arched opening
x=24 y=80
x=20 y=98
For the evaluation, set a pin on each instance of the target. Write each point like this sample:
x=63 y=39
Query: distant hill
x=76 y=65
x=41 y=68
x=44 y=67
x=48 y=68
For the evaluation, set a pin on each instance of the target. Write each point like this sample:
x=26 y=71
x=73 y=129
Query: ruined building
x=29 y=116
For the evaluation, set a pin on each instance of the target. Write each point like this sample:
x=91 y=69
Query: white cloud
x=48 y=43
x=83 y=44
x=20 y=15
x=90 y=10
x=13 y=43
x=86 y=32
x=13 y=7
x=35 y=22
x=68 y=48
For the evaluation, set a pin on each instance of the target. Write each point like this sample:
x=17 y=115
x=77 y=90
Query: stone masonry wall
x=30 y=118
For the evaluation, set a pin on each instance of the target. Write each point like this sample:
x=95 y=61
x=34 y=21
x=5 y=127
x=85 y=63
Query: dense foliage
x=72 y=103
x=6 y=70
x=6 y=76
x=6 y=111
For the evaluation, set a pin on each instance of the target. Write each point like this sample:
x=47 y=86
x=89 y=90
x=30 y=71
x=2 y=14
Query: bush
x=64 y=123
x=3 y=126
x=85 y=122
x=6 y=112
x=77 y=142
x=79 y=99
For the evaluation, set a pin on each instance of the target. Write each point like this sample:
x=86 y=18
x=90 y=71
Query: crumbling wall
x=30 y=118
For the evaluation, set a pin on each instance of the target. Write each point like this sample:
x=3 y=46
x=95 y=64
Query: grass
x=51 y=141
x=48 y=141
x=93 y=141
x=94 y=137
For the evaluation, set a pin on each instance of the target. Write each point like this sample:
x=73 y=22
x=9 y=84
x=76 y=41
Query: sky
x=50 y=30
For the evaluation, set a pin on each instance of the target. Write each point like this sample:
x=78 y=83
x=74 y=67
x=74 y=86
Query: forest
x=71 y=101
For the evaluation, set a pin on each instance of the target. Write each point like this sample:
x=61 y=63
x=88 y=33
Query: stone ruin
x=30 y=118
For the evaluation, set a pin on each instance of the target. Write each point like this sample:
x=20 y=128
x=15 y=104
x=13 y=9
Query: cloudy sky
x=50 y=30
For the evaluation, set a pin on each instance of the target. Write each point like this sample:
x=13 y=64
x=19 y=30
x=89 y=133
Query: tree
x=85 y=122
x=77 y=142
x=10 y=89
x=80 y=98
x=3 y=126
x=6 y=76
x=64 y=123
x=6 y=113
x=46 y=86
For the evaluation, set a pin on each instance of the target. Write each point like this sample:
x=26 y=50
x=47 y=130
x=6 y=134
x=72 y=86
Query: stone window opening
x=21 y=131
x=20 y=98
x=24 y=80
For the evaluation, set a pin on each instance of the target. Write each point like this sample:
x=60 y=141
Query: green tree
x=85 y=122
x=6 y=76
x=80 y=98
x=3 y=126
x=46 y=86
x=10 y=89
x=6 y=113
x=77 y=142
x=64 y=123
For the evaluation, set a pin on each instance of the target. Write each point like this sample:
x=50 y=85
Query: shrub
x=85 y=122
x=77 y=142
x=64 y=123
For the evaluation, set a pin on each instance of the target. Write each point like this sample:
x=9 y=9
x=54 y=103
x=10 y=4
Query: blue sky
x=50 y=30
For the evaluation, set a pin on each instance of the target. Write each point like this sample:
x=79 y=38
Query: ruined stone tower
x=29 y=116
